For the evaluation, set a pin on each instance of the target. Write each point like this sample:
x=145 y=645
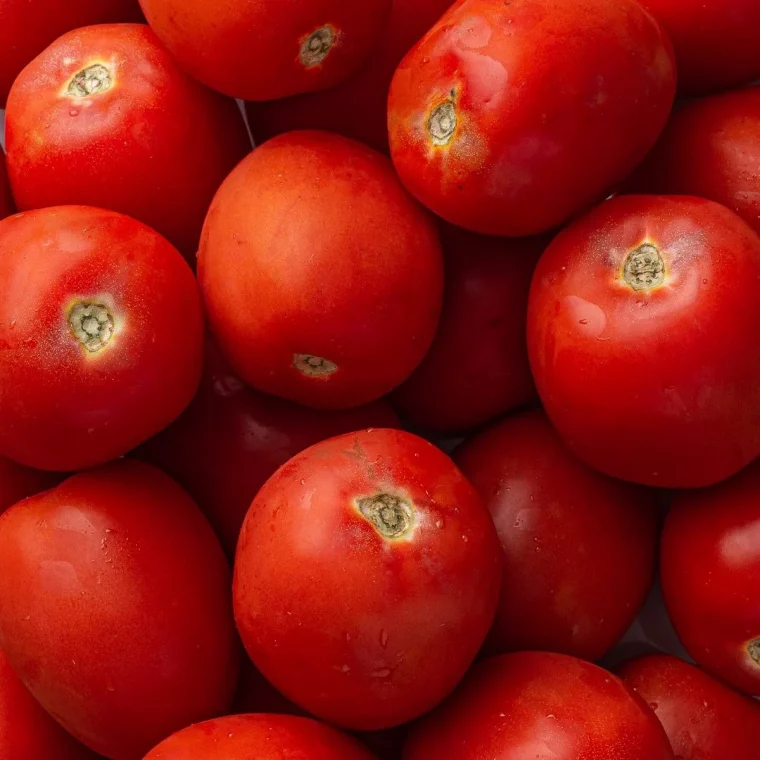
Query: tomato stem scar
x=390 y=515
x=644 y=268
x=91 y=324
x=316 y=47
x=90 y=81
x=314 y=366
x=442 y=123
x=753 y=649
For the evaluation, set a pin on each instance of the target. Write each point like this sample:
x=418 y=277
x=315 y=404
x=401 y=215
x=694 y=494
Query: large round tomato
x=17 y=482
x=104 y=117
x=7 y=205
x=231 y=439
x=704 y=719
x=508 y=118
x=27 y=27
x=579 y=547
x=102 y=336
x=358 y=107
x=115 y=608
x=710 y=576
x=641 y=323
x=263 y=50
x=477 y=367
x=366 y=578
x=323 y=279
x=544 y=706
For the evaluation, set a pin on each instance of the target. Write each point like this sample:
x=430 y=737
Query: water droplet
x=582 y=321
x=74 y=112
x=654 y=705
x=439 y=523
x=384 y=639
x=704 y=282
x=381 y=673
x=465 y=539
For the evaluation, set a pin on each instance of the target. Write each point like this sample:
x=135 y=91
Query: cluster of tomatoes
x=220 y=539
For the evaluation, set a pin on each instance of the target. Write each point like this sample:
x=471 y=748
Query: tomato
x=27 y=27
x=478 y=365
x=358 y=106
x=103 y=109
x=508 y=118
x=704 y=719
x=710 y=574
x=639 y=320
x=710 y=148
x=7 y=206
x=267 y=50
x=366 y=578
x=115 y=608
x=726 y=28
x=544 y=706
x=17 y=482
x=264 y=737
x=231 y=439
x=323 y=279
x=102 y=336
x=579 y=548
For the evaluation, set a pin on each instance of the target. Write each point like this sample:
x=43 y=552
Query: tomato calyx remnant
x=442 y=123
x=90 y=81
x=753 y=649
x=316 y=47
x=390 y=515
x=92 y=324
x=314 y=366
x=644 y=268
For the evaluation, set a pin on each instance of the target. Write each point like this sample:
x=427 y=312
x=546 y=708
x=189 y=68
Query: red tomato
x=17 y=482
x=543 y=706
x=510 y=117
x=725 y=28
x=478 y=365
x=131 y=133
x=639 y=320
x=27 y=27
x=231 y=439
x=266 y=50
x=710 y=576
x=366 y=578
x=710 y=148
x=115 y=608
x=7 y=206
x=263 y=737
x=323 y=279
x=704 y=719
x=358 y=107
x=102 y=336
x=579 y=547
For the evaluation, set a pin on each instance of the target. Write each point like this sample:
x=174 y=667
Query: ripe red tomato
x=544 y=706
x=17 y=482
x=323 y=279
x=639 y=320
x=356 y=108
x=579 y=547
x=710 y=148
x=727 y=29
x=115 y=608
x=478 y=365
x=267 y=50
x=104 y=117
x=704 y=719
x=27 y=27
x=231 y=439
x=366 y=578
x=7 y=206
x=263 y=737
x=510 y=117
x=102 y=336
x=710 y=575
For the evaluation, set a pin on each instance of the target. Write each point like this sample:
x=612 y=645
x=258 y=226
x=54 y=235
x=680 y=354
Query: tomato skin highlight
x=704 y=719
x=510 y=118
x=710 y=570
x=404 y=598
x=313 y=251
x=7 y=204
x=115 y=608
x=579 y=548
x=148 y=120
x=652 y=385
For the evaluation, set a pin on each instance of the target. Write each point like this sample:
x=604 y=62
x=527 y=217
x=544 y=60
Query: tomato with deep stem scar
x=7 y=205
x=639 y=319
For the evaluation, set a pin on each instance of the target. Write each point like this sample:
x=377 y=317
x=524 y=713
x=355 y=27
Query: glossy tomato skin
x=509 y=118
x=358 y=107
x=29 y=26
x=17 y=482
x=543 y=706
x=710 y=570
x=704 y=719
x=76 y=393
x=115 y=608
x=231 y=439
x=263 y=50
x=322 y=278
x=366 y=621
x=149 y=142
x=7 y=206
x=579 y=548
x=477 y=367
x=639 y=319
